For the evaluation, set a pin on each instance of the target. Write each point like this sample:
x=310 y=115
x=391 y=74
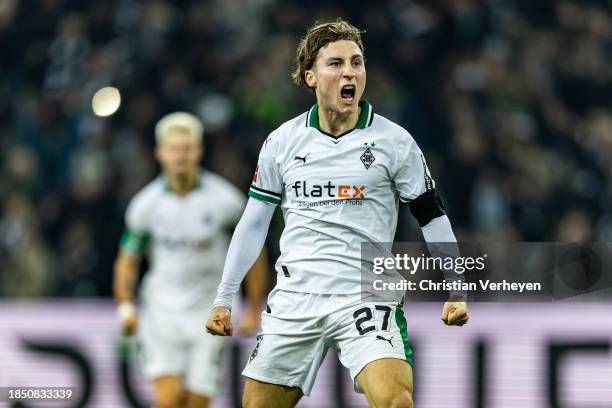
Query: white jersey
x=188 y=238
x=335 y=193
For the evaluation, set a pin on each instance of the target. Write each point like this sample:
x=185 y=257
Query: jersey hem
x=296 y=287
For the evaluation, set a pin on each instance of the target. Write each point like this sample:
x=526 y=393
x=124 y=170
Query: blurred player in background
x=186 y=217
x=339 y=172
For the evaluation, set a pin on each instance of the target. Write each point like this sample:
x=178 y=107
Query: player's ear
x=311 y=80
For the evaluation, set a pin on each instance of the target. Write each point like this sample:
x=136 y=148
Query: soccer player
x=185 y=216
x=339 y=172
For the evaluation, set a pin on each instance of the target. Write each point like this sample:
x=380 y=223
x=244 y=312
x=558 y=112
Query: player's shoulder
x=150 y=193
x=218 y=184
x=292 y=125
x=390 y=128
x=287 y=132
x=143 y=203
x=400 y=137
x=229 y=198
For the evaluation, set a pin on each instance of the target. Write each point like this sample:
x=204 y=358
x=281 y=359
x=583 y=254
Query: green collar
x=365 y=116
x=198 y=184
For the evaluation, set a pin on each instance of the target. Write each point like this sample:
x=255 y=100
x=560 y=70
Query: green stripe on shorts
x=403 y=328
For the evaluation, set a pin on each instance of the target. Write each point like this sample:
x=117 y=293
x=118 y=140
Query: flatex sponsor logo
x=327 y=190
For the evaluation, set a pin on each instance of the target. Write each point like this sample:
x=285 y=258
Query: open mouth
x=347 y=93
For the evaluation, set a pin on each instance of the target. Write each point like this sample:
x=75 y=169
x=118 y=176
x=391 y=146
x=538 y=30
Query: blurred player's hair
x=181 y=121
x=317 y=37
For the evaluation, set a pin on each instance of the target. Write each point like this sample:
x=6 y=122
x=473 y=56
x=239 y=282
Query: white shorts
x=174 y=343
x=299 y=328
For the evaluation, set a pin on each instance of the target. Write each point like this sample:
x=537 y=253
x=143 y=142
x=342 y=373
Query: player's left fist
x=455 y=313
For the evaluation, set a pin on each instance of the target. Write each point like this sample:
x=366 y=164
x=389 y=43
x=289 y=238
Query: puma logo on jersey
x=379 y=337
x=303 y=159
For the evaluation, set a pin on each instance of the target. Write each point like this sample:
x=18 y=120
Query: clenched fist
x=455 y=313
x=219 y=322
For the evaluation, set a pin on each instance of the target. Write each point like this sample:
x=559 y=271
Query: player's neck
x=336 y=123
x=183 y=184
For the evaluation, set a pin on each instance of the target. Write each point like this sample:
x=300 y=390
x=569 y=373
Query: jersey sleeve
x=136 y=235
x=267 y=182
x=412 y=177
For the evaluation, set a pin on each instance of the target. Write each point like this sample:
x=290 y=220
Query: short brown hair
x=317 y=37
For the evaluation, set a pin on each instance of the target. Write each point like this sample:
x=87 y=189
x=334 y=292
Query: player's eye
x=335 y=63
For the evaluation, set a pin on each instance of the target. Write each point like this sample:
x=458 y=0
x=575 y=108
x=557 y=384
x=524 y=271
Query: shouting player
x=186 y=216
x=339 y=172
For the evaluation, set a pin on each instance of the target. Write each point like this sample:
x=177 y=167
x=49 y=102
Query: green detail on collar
x=362 y=121
x=167 y=189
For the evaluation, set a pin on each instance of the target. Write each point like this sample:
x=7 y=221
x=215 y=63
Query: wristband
x=126 y=310
x=229 y=308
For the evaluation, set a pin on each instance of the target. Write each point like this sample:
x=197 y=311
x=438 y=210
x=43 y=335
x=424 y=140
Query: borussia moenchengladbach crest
x=367 y=158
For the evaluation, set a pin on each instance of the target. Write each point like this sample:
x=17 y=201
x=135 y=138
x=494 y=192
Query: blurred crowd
x=511 y=101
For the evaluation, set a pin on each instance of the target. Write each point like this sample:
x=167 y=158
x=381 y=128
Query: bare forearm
x=125 y=274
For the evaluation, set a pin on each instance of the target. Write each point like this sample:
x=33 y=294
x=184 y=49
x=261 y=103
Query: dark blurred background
x=511 y=102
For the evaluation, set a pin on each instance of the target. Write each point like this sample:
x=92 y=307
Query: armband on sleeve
x=426 y=207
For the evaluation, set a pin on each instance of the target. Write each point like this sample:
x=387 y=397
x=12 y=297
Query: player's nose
x=349 y=72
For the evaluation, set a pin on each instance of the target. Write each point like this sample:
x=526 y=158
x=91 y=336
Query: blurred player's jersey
x=188 y=237
x=335 y=193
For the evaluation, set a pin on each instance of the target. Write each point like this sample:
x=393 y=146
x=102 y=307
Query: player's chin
x=348 y=107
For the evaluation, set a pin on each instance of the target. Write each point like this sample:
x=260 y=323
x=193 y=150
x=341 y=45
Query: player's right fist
x=219 y=322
